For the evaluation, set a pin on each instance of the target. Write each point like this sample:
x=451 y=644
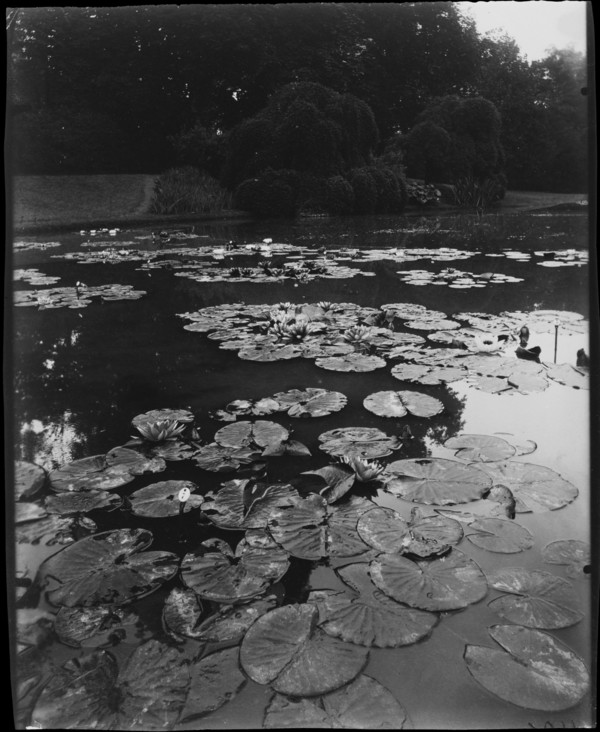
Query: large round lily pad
x=537 y=599
x=215 y=573
x=436 y=481
x=163 y=415
x=575 y=554
x=483 y=448
x=363 y=442
x=310 y=402
x=363 y=704
x=219 y=459
x=29 y=479
x=351 y=362
x=133 y=461
x=284 y=648
x=535 y=487
x=384 y=529
x=244 y=434
x=531 y=669
x=431 y=533
x=310 y=529
x=242 y=504
x=364 y=615
x=90 y=473
x=88 y=692
x=400 y=403
x=94 y=627
x=331 y=481
x=82 y=502
x=108 y=568
x=500 y=535
x=449 y=583
x=161 y=500
x=183 y=611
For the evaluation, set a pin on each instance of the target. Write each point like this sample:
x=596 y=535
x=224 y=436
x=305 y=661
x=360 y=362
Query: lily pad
x=483 y=448
x=163 y=415
x=332 y=481
x=448 y=583
x=215 y=680
x=500 y=535
x=90 y=473
x=285 y=649
x=384 y=529
x=94 y=627
x=564 y=373
x=363 y=442
x=310 y=402
x=426 y=374
x=522 y=446
x=82 y=502
x=366 y=616
x=310 y=529
x=535 y=487
x=108 y=568
x=29 y=480
x=25 y=511
x=572 y=552
x=531 y=669
x=87 y=693
x=257 y=408
x=363 y=704
x=432 y=534
x=219 y=459
x=161 y=500
x=351 y=362
x=133 y=461
x=215 y=573
x=53 y=529
x=183 y=611
x=244 y=434
x=243 y=504
x=537 y=599
x=436 y=481
x=400 y=403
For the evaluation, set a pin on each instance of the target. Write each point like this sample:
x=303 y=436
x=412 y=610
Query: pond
x=389 y=519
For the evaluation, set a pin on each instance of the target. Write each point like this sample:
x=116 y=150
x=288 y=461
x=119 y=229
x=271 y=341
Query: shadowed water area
x=84 y=367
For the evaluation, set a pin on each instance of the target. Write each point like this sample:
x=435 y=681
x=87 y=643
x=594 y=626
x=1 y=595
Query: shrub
x=364 y=189
x=478 y=193
x=269 y=195
x=423 y=194
x=188 y=190
x=338 y=198
x=201 y=148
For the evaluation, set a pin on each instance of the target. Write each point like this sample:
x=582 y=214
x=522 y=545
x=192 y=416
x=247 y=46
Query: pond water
x=84 y=367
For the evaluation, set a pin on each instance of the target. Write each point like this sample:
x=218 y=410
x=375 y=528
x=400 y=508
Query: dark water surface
x=81 y=375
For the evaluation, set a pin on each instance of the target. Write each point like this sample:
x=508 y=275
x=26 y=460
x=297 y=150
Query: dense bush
x=305 y=127
x=365 y=191
x=421 y=193
x=272 y=194
x=338 y=196
x=201 y=148
x=478 y=193
x=188 y=190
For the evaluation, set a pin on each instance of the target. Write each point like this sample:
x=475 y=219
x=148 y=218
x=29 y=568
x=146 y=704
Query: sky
x=536 y=25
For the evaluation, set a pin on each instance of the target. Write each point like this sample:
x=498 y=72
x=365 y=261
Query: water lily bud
x=184 y=494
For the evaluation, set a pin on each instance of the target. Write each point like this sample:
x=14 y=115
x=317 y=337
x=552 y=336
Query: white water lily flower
x=364 y=470
x=165 y=429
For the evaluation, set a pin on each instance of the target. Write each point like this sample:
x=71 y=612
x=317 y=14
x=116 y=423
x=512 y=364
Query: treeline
x=233 y=89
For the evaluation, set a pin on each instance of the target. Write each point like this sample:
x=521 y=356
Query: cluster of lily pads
x=27 y=246
x=346 y=337
x=455 y=278
x=79 y=296
x=34 y=277
x=225 y=614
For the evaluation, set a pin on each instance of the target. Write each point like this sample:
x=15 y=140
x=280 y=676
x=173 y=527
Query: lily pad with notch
x=500 y=535
x=531 y=669
x=87 y=692
x=363 y=704
x=215 y=573
x=535 y=487
x=364 y=615
x=481 y=448
x=161 y=500
x=351 y=362
x=400 y=403
x=245 y=504
x=310 y=402
x=261 y=433
x=451 y=582
x=90 y=473
x=436 y=481
x=108 y=568
x=286 y=649
x=363 y=442
x=82 y=502
x=535 y=599
x=96 y=627
x=220 y=459
x=573 y=553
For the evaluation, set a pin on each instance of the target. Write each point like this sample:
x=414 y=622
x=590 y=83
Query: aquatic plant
x=160 y=430
x=364 y=470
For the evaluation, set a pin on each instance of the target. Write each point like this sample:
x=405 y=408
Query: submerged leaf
x=537 y=599
x=284 y=648
x=533 y=670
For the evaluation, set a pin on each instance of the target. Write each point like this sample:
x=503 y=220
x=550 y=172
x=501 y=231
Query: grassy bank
x=46 y=202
